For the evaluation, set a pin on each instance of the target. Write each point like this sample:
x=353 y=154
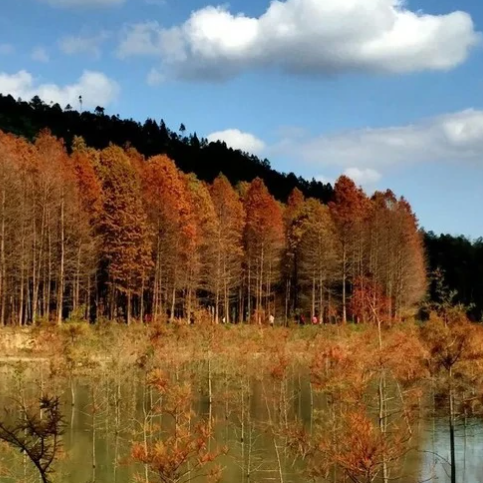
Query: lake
x=111 y=408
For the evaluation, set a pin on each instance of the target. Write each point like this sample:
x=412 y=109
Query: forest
x=207 y=161
x=109 y=233
x=191 y=154
x=115 y=237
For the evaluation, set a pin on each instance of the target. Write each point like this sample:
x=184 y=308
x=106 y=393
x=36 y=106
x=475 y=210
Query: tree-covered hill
x=461 y=263
x=190 y=153
x=460 y=260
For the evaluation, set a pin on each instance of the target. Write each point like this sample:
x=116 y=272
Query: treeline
x=150 y=138
x=456 y=268
x=455 y=257
x=110 y=233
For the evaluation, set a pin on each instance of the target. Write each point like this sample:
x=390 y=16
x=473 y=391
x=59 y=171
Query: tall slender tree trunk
x=312 y=308
x=287 y=300
x=321 y=299
x=77 y=278
x=262 y=275
x=241 y=303
x=34 y=266
x=141 y=298
x=3 y=270
x=49 y=274
x=226 y=298
x=249 y=285
x=129 y=307
x=382 y=407
x=37 y=269
x=452 y=428
x=88 y=298
x=156 y=307
x=60 y=292
x=21 y=298
x=344 y=284
x=173 y=302
x=217 y=303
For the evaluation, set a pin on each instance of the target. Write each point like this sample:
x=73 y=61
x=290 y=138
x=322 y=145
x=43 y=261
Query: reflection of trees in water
x=286 y=408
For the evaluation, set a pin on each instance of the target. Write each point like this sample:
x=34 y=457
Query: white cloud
x=237 y=139
x=325 y=179
x=308 y=37
x=448 y=137
x=83 y=3
x=364 y=176
x=94 y=87
x=155 y=77
x=83 y=44
x=140 y=39
x=39 y=54
x=6 y=49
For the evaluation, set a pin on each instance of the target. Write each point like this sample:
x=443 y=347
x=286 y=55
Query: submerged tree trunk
x=452 y=429
x=382 y=407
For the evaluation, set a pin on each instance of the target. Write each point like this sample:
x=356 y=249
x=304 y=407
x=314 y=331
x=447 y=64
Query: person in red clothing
x=315 y=320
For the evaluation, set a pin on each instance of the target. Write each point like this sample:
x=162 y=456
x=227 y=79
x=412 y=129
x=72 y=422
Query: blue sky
x=388 y=92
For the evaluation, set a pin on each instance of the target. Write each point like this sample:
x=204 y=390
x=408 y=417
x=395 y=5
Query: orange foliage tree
x=319 y=260
x=227 y=250
x=91 y=233
x=173 y=229
x=126 y=244
x=263 y=245
x=349 y=210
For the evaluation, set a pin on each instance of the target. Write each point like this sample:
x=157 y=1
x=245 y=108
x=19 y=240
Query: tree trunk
x=3 y=270
x=226 y=298
x=249 y=305
x=128 y=309
x=60 y=293
x=312 y=308
x=382 y=407
x=173 y=303
x=141 y=299
x=49 y=274
x=344 y=288
x=287 y=300
x=77 y=277
x=321 y=300
x=452 y=429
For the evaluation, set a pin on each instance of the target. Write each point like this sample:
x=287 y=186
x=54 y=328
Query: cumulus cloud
x=307 y=37
x=364 y=176
x=6 y=49
x=83 y=44
x=448 y=137
x=83 y=3
x=237 y=139
x=39 y=54
x=155 y=77
x=94 y=87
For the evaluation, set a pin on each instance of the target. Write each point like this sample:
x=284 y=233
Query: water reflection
x=104 y=420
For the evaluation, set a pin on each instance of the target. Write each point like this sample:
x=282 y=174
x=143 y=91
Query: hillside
x=458 y=258
x=191 y=154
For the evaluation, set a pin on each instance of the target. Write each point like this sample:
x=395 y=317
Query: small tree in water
x=38 y=437
x=455 y=349
x=179 y=451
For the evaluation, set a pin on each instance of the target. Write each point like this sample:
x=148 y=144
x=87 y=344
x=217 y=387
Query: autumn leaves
x=91 y=234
